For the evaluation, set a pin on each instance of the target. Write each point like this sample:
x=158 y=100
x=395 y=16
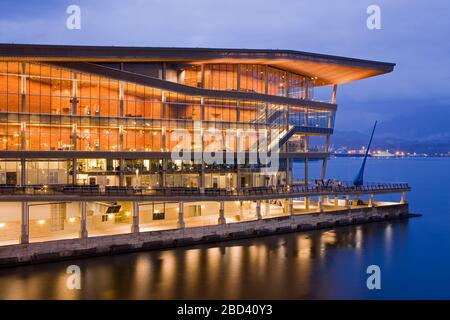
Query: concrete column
x=121 y=140
x=403 y=198
x=163 y=139
x=23 y=172
x=23 y=135
x=121 y=171
x=181 y=224
x=74 y=94
x=135 y=224
x=333 y=96
x=83 y=221
x=336 y=201
x=164 y=173
x=238 y=112
x=347 y=202
x=25 y=227
x=222 y=219
x=74 y=136
x=74 y=171
x=307 y=203
x=121 y=102
x=202 y=75
x=163 y=105
x=267 y=213
x=238 y=177
x=291 y=206
x=258 y=210
x=202 y=178
x=23 y=87
x=371 y=202
x=288 y=172
x=238 y=77
x=320 y=204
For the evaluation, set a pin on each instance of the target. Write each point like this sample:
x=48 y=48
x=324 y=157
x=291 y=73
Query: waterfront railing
x=312 y=188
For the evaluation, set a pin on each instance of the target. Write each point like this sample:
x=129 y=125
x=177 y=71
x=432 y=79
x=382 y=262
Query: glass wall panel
x=10 y=172
x=191 y=76
x=238 y=211
x=48 y=172
x=252 y=78
x=197 y=214
x=54 y=221
x=10 y=222
x=109 y=218
x=154 y=216
x=277 y=80
x=10 y=88
x=220 y=77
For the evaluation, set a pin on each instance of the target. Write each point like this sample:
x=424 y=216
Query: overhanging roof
x=324 y=69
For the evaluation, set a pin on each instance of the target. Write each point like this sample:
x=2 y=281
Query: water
x=413 y=256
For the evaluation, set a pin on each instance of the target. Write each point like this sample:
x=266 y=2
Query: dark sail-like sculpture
x=359 y=179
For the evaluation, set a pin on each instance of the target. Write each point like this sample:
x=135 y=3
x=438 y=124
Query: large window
x=277 y=82
x=252 y=78
x=10 y=87
x=221 y=77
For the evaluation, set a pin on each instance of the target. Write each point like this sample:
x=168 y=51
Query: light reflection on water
x=291 y=266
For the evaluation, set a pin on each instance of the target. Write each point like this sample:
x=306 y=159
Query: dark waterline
x=413 y=256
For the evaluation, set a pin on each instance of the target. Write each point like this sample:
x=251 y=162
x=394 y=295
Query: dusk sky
x=412 y=102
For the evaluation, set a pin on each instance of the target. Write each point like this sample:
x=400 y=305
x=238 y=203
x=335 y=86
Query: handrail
x=96 y=190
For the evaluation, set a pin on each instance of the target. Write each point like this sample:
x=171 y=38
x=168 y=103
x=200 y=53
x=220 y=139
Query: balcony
x=94 y=192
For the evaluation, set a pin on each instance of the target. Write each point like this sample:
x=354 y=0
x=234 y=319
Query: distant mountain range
x=356 y=139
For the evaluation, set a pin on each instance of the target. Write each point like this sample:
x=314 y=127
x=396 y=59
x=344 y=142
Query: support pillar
x=290 y=206
x=83 y=221
x=258 y=210
x=24 y=235
x=336 y=201
x=222 y=219
x=164 y=173
x=238 y=177
x=333 y=96
x=320 y=204
x=121 y=171
x=288 y=172
x=135 y=224
x=307 y=203
x=347 y=202
x=181 y=224
x=23 y=87
x=371 y=202
x=23 y=172
x=121 y=98
x=74 y=171
x=403 y=198
x=202 y=178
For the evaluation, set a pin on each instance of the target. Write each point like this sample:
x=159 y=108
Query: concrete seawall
x=13 y=255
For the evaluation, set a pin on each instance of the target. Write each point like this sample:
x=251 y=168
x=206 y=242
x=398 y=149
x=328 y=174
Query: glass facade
x=254 y=78
x=47 y=108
